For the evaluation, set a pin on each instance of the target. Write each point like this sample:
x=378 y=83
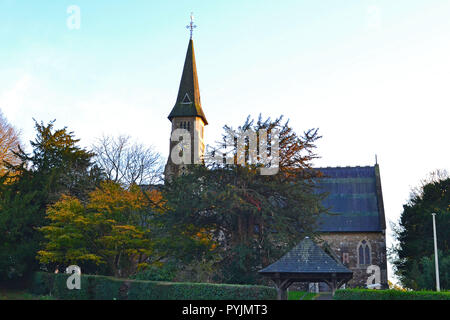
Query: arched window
x=364 y=253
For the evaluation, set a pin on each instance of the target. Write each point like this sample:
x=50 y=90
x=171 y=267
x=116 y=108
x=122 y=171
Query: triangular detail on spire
x=186 y=99
x=188 y=86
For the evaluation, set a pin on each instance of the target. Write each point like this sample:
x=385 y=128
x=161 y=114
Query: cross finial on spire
x=191 y=25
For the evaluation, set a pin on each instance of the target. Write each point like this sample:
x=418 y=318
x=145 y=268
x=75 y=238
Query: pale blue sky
x=372 y=75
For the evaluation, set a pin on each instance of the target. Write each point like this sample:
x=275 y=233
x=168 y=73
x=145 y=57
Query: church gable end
x=354 y=199
x=355 y=230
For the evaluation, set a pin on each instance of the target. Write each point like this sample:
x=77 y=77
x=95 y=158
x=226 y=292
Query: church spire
x=188 y=100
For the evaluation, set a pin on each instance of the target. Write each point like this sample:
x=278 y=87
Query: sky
x=372 y=75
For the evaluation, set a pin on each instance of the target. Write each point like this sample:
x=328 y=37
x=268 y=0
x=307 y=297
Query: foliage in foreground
x=108 y=288
x=413 y=258
x=56 y=166
x=166 y=272
x=248 y=218
x=368 y=294
x=21 y=295
x=113 y=231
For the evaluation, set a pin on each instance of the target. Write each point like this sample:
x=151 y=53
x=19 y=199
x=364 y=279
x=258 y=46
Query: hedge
x=109 y=288
x=368 y=294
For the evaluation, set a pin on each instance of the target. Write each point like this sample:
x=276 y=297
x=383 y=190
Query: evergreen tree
x=240 y=218
x=56 y=166
x=413 y=258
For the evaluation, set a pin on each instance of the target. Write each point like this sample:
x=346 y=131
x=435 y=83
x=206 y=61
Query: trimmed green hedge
x=368 y=294
x=109 y=288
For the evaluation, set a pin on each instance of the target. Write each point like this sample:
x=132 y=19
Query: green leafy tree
x=427 y=280
x=56 y=166
x=110 y=234
x=413 y=257
x=247 y=219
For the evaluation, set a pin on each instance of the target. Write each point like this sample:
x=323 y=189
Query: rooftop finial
x=191 y=25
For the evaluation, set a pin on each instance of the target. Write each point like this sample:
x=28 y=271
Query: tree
x=128 y=163
x=9 y=144
x=56 y=166
x=427 y=280
x=250 y=218
x=413 y=256
x=111 y=234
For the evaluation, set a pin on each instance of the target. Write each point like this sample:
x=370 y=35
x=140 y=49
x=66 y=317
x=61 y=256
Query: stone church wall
x=346 y=248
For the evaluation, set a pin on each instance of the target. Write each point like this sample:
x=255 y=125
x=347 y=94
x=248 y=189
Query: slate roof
x=188 y=85
x=306 y=257
x=355 y=199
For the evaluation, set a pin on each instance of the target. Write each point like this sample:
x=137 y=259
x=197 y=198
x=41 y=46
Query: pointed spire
x=188 y=101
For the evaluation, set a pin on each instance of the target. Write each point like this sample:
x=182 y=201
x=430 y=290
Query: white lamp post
x=436 y=262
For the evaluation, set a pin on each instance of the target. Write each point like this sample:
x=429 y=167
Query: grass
x=370 y=294
x=300 y=295
x=9 y=294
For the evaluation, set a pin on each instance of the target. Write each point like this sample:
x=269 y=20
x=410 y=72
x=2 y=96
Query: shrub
x=367 y=294
x=153 y=273
x=42 y=283
x=109 y=288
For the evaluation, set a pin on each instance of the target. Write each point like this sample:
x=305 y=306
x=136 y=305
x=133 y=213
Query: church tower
x=187 y=114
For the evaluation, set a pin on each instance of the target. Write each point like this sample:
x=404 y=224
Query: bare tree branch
x=126 y=162
x=9 y=143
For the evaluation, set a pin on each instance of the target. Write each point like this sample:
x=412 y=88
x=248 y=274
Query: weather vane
x=191 y=25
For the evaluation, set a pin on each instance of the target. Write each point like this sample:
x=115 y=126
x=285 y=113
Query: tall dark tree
x=56 y=166
x=247 y=219
x=413 y=257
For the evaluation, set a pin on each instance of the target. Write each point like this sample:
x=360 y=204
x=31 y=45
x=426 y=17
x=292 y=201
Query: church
x=356 y=229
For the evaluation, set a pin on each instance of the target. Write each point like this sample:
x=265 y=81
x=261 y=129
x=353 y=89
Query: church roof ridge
x=344 y=167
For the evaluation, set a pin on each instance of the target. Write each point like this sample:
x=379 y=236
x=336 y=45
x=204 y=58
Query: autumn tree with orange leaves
x=111 y=234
